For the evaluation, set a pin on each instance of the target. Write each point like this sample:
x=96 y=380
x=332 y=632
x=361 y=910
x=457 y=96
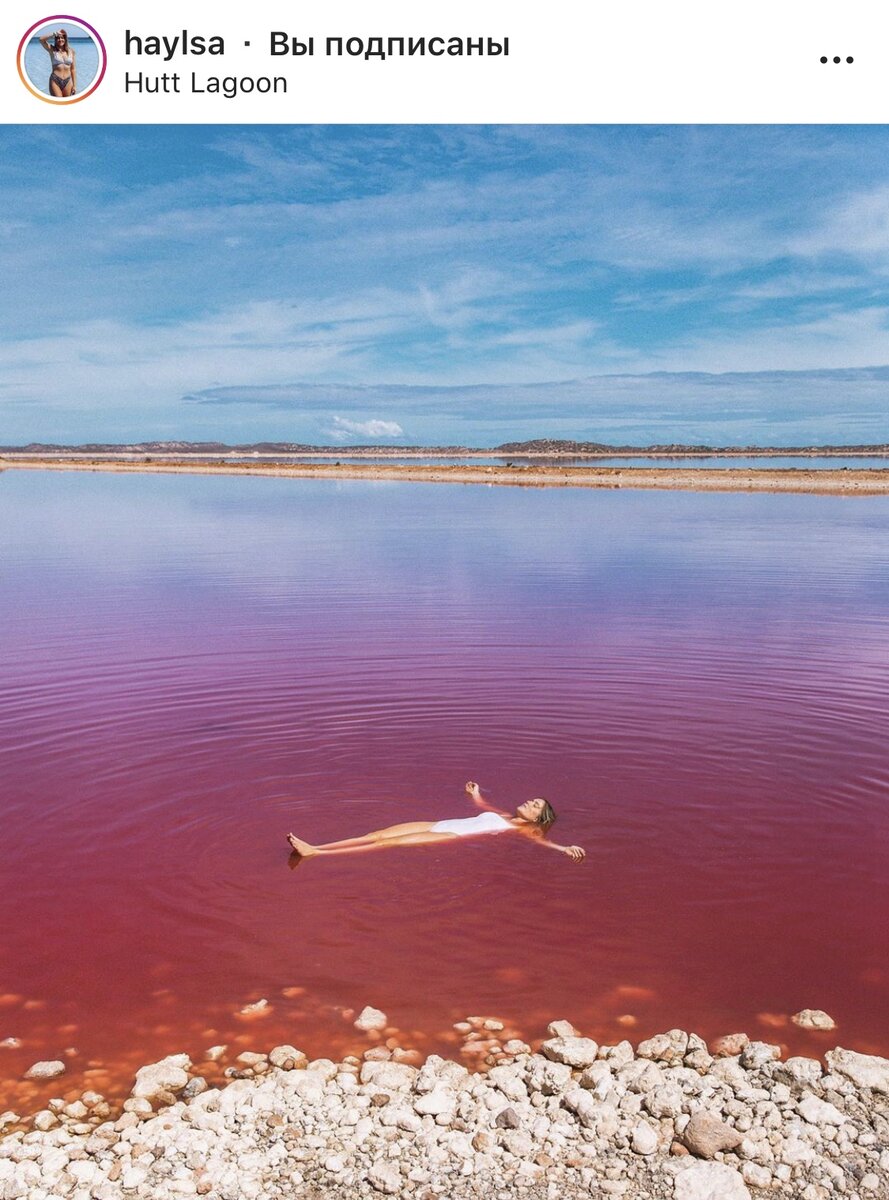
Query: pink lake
x=194 y=666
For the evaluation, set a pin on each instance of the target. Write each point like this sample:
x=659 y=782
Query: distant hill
x=545 y=446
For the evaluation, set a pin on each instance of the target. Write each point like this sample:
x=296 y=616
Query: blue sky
x=445 y=284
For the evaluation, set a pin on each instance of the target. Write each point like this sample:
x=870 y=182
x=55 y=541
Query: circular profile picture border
x=100 y=45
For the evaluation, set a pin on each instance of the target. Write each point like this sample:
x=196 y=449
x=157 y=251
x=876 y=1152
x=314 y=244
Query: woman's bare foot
x=303 y=849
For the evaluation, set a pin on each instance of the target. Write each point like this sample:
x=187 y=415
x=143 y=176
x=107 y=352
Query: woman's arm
x=73 y=71
x=44 y=42
x=575 y=853
x=474 y=793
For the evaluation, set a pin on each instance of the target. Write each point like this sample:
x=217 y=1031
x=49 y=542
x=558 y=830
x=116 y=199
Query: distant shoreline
x=823 y=481
x=549 y=448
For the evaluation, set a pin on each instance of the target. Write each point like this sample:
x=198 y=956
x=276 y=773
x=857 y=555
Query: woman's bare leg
x=366 y=839
x=414 y=833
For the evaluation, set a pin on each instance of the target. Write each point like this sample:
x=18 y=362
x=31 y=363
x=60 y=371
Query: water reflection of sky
x=266 y=533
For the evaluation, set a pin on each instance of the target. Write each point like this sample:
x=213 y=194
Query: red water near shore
x=194 y=667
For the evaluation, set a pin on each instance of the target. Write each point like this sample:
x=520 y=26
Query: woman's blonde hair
x=547 y=814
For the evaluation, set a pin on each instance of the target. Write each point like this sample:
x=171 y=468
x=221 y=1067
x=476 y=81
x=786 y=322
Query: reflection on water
x=194 y=666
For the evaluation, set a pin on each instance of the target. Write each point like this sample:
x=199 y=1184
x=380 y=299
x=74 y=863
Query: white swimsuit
x=486 y=822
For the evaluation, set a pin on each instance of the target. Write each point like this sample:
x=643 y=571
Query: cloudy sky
x=445 y=284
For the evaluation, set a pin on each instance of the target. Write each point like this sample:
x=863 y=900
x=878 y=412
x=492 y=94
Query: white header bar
x=685 y=62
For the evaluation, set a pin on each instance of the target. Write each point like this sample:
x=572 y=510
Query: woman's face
x=531 y=809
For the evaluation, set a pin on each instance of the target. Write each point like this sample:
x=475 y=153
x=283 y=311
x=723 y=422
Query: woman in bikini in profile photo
x=63 y=77
x=532 y=819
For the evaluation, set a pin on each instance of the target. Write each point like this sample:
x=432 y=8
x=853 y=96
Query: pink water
x=192 y=667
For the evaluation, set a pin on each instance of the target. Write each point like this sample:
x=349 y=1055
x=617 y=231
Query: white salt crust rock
x=46 y=1070
x=371 y=1018
x=813 y=1018
x=169 y=1075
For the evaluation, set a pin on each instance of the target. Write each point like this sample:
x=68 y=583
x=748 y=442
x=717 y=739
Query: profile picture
x=61 y=59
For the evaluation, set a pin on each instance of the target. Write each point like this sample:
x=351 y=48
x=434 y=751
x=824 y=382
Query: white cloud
x=858 y=226
x=375 y=428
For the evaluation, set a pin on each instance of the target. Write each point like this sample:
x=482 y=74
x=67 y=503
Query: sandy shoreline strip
x=825 y=481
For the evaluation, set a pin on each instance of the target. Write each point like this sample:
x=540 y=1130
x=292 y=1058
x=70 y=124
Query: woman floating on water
x=63 y=79
x=533 y=819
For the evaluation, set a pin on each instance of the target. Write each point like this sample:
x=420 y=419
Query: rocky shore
x=673 y=1119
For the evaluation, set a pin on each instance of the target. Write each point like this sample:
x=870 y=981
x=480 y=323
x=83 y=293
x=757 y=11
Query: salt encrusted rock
x=287 y=1058
x=385 y=1177
x=170 y=1075
x=664 y=1101
x=813 y=1018
x=709 y=1181
x=518 y=1142
x=396 y=1077
x=641 y=1075
x=249 y=1058
x=584 y=1106
x=819 y=1112
x=510 y=1082
x=11 y=1043
x=796 y=1152
x=548 y=1077
x=377 y=1054
x=757 y=1054
x=729 y=1045
x=45 y=1120
x=45 y=1070
x=697 y=1056
x=644 y=1139
x=756 y=1175
x=325 y=1067
x=667 y=1047
x=617 y=1056
x=865 y=1070
x=434 y=1104
x=730 y=1072
x=436 y=1071
x=562 y=1029
x=806 y=1071
x=598 y=1079
x=371 y=1018
x=705 y=1135
x=214 y=1053
x=258 y=1008
x=575 y=1052
x=133 y=1178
